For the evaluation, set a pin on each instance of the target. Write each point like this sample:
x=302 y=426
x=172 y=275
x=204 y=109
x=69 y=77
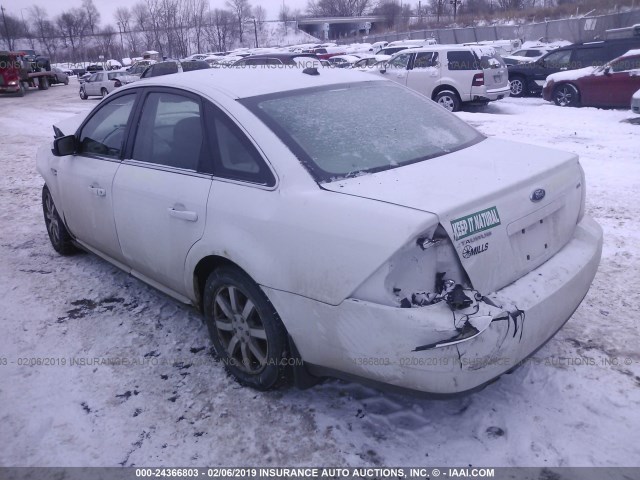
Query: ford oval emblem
x=537 y=195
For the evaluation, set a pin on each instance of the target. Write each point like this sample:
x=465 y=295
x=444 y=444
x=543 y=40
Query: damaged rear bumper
x=378 y=343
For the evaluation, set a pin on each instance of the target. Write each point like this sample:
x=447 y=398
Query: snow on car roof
x=250 y=82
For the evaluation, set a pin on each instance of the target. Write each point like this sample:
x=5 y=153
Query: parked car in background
x=273 y=59
x=450 y=74
x=60 y=76
x=103 y=83
x=366 y=63
x=94 y=68
x=393 y=50
x=525 y=55
x=611 y=85
x=173 y=66
x=343 y=61
x=635 y=102
x=258 y=197
x=529 y=78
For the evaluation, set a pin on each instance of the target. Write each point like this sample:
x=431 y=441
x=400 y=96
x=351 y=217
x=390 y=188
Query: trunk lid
x=490 y=200
x=495 y=70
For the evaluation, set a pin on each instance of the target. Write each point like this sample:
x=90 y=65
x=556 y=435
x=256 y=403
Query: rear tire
x=518 y=86
x=66 y=81
x=566 y=95
x=83 y=94
x=58 y=233
x=448 y=99
x=43 y=83
x=246 y=331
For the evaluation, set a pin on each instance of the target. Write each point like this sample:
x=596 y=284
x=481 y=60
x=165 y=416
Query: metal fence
x=575 y=30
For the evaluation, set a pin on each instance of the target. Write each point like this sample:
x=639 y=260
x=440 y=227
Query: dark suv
x=528 y=78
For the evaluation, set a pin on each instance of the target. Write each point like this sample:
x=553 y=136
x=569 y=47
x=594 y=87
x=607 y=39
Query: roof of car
x=244 y=83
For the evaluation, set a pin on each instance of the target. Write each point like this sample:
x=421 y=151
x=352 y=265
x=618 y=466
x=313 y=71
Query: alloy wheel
x=240 y=329
x=51 y=219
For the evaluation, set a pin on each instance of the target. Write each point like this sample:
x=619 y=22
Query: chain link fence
x=584 y=29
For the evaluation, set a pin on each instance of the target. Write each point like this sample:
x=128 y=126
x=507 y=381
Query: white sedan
x=317 y=240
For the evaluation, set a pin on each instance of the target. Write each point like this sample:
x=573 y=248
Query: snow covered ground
x=172 y=404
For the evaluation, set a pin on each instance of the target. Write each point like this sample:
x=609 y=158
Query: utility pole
x=255 y=30
x=6 y=29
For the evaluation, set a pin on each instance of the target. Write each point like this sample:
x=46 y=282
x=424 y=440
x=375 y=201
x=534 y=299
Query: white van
x=451 y=74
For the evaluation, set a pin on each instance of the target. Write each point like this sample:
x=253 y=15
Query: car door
x=552 y=63
x=624 y=81
x=424 y=75
x=94 y=84
x=162 y=187
x=397 y=68
x=86 y=178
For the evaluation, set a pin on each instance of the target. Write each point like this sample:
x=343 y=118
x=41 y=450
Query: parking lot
x=104 y=370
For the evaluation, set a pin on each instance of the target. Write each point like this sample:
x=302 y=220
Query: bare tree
x=241 y=11
x=106 y=41
x=10 y=28
x=142 y=21
x=220 y=29
x=199 y=10
x=338 y=8
x=72 y=26
x=92 y=15
x=124 y=20
x=260 y=14
x=44 y=29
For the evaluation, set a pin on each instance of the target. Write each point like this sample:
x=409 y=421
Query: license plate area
x=535 y=237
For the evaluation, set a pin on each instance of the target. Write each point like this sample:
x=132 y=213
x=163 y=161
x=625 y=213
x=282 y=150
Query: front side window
x=425 y=60
x=625 y=64
x=343 y=130
x=400 y=62
x=104 y=133
x=558 y=59
x=462 y=60
x=170 y=131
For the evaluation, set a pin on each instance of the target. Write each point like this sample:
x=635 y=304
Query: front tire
x=43 y=83
x=58 y=234
x=104 y=92
x=518 y=86
x=83 y=94
x=448 y=100
x=23 y=90
x=246 y=331
x=566 y=95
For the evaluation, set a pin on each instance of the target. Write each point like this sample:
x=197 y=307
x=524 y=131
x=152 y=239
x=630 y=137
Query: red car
x=611 y=85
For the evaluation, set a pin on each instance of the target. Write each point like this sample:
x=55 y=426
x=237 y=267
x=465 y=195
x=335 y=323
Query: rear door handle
x=100 y=192
x=183 y=214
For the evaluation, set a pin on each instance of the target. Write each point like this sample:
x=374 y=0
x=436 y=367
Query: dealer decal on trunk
x=474 y=223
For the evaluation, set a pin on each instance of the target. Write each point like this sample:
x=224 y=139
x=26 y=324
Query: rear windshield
x=491 y=61
x=346 y=130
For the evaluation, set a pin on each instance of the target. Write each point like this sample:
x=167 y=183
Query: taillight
x=419 y=274
x=117 y=83
x=478 y=80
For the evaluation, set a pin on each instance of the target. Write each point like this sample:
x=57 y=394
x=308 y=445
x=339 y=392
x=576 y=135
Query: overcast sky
x=108 y=7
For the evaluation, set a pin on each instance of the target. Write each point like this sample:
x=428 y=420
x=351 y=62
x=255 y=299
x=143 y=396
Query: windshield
x=345 y=130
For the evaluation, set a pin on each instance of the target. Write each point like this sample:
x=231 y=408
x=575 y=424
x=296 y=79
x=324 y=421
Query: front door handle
x=100 y=192
x=183 y=214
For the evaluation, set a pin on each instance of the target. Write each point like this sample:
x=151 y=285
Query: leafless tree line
x=175 y=28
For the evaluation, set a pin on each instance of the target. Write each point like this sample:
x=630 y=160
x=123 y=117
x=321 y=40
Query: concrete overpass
x=331 y=28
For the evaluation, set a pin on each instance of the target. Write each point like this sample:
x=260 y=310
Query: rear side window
x=170 y=131
x=235 y=157
x=462 y=60
x=585 y=57
x=104 y=133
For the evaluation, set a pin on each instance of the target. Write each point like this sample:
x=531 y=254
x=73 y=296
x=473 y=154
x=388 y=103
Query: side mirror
x=607 y=71
x=64 y=146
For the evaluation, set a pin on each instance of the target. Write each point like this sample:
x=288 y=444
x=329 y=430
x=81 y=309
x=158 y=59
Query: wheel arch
x=443 y=88
x=205 y=266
